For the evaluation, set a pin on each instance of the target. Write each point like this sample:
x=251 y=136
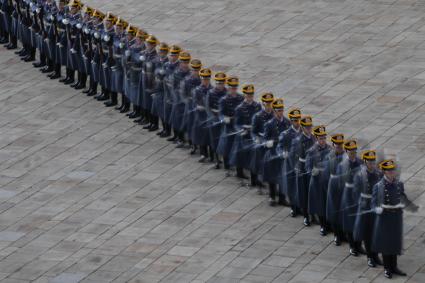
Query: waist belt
x=349 y=185
x=363 y=195
x=200 y=107
x=397 y=206
x=214 y=110
x=105 y=51
x=117 y=56
x=247 y=127
x=61 y=29
x=301 y=160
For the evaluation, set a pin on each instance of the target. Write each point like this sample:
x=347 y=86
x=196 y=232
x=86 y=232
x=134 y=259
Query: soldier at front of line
x=169 y=68
x=214 y=123
x=335 y=189
x=258 y=150
x=227 y=108
x=273 y=161
x=364 y=181
x=113 y=68
x=177 y=108
x=11 y=10
x=388 y=201
x=288 y=181
x=240 y=154
x=302 y=176
x=318 y=188
x=6 y=8
x=347 y=169
x=157 y=110
x=93 y=55
x=199 y=132
x=133 y=70
x=105 y=49
x=147 y=86
x=187 y=87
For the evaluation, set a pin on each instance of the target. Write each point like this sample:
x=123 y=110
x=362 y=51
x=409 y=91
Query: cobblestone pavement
x=87 y=196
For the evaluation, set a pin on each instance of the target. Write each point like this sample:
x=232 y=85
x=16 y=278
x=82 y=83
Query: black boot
x=240 y=173
x=113 y=101
x=83 y=80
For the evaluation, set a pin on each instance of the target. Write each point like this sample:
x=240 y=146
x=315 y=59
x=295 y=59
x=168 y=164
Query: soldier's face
x=279 y=113
x=390 y=174
x=321 y=140
x=184 y=65
x=219 y=85
x=150 y=46
x=173 y=57
x=233 y=90
x=108 y=24
x=307 y=130
x=195 y=73
x=296 y=123
x=205 y=81
x=267 y=107
x=130 y=37
x=118 y=29
x=249 y=97
x=352 y=154
x=370 y=164
x=338 y=147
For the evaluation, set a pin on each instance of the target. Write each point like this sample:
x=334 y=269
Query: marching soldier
x=300 y=146
x=318 y=188
x=214 y=124
x=186 y=103
x=158 y=96
x=199 y=132
x=169 y=68
x=240 y=155
x=177 y=107
x=388 y=201
x=133 y=67
x=364 y=181
x=333 y=202
x=227 y=107
x=347 y=169
x=105 y=49
x=285 y=143
x=258 y=122
x=272 y=169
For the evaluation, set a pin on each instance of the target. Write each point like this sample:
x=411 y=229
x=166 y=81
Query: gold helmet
x=141 y=34
x=132 y=30
x=278 y=104
x=306 y=121
x=110 y=17
x=195 y=64
x=75 y=4
x=232 y=81
x=88 y=10
x=175 y=50
x=152 y=39
x=121 y=23
x=205 y=73
x=319 y=131
x=98 y=14
x=184 y=56
x=248 y=89
x=163 y=47
x=267 y=97
x=220 y=77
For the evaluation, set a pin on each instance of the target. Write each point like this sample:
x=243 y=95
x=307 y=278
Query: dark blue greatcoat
x=96 y=61
x=147 y=78
x=388 y=228
x=350 y=199
x=272 y=168
x=186 y=97
x=335 y=189
x=214 y=121
x=200 y=132
x=170 y=68
x=108 y=39
x=318 y=188
x=227 y=109
x=158 y=95
x=242 y=149
x=288 y=181
x=258 y=150
x=302 y=176
x=177 y=109
x=364 y=181
x=133 y=70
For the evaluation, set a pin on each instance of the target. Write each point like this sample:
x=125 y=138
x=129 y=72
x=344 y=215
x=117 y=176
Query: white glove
x=257 y=140
x=96 y=35
x=226 y=119
x=127 y=53
x=106 y=38
x=149 y=65
x=379 y=210
x=162 y=72
x=269 y=144
x=72 y=50
x=122 y=45
x=86 y=31
x=65 y=21
x=244 y=133
x=51 y=17
x=79 y=26
x=315 y=171
x=142 y=58
x=37 y=10
x=285 y=154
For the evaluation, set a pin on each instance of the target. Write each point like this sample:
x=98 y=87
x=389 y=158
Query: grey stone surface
x=85 y=195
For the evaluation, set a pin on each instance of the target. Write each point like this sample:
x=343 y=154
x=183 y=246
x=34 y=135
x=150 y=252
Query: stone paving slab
x=87 y=196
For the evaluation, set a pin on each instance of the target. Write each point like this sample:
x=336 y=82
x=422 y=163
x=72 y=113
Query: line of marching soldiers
x=108 y=57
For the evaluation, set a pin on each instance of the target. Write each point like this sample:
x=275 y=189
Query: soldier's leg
x=272 y=194
x=388 y=262
x=394 y=267
x=240 y=173
x=57 y=72
x=204 y=153
x=282 y=196
x=77 y=82
x=113 y=99
x=49 y=66
x=13 y=42
x=322 y=222
x=42 y=62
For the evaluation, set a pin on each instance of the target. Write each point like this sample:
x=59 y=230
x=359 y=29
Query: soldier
x=134 y=69
x=28 y=51
x=6 y=8
x=288 y=181
x=11 y=23
x=158 y=96
x=240 y=156
x=58 y=37
x=93 y=54
x=186 y=103
x=258 y=122
x=37 y=31
x=272 y=169
x=48 y=36
x=227 y=107
x=214 y=122
x=318 y=188
x=347 y=169
x=120 y=72
x=177 y=107
x=105 y=49
x=333 y=202
x=364 y=181
x=169 y=68
x=300 y=147
x=199 y=132
x=388 y=201
x=147 y=87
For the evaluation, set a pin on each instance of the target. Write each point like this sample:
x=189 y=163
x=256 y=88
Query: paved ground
x=86 y=195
